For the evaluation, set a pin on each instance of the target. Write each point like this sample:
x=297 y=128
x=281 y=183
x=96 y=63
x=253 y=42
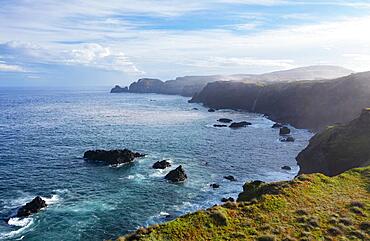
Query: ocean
x=44 y=133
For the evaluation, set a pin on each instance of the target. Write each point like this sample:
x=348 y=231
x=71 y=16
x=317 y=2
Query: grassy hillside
x=310 y=207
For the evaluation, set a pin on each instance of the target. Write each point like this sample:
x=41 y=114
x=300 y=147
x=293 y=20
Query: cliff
x=190 y=85
x=303 y=104
x=338 y=148
x=119 y=89
x=310 y=207
x=147 y=85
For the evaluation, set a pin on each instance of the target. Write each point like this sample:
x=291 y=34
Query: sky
x=94 y=42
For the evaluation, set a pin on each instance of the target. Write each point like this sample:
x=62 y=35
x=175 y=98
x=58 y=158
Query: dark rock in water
x=195 y=109
x=230 y=178
x=284 y=131
x=211 y=110
x=224 y=120
x=277 y=125
x=161 y=164
x=32 y=207
x=240 y=124
x=230 y=199
x=177 y=175
x=338 y=148
x=286 y=168
x=214 y=185
x=112 y=157
x=288 y=139
x=119 y=89
x=218 y=125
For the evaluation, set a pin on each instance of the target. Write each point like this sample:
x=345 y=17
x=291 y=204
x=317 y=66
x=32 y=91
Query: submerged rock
x=286 y=168
x=288 y=139
x=277 y=125
x=195 y=108
x=230 y=199
x=218 y=125
x=240 y=124
x=284 y=131
x=214 y=185
x=32 y=207
x=224 y=120
x=112 y=157
x=177 y=175
x=161 y=164
x=230 y=178
x=211 y=110
x=119 y=89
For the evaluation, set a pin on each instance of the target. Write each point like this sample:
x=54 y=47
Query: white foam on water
x=164 y=214
x=135 y=177
x=158 y=174
x=52 y=200
x=24 y=223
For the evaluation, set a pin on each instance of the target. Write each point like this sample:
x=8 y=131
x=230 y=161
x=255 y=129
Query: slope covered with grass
x=310 y=207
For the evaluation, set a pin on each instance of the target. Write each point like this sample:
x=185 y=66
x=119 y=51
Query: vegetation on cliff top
x=310 y=207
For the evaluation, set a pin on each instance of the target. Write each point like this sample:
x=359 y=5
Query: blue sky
x=72 y=42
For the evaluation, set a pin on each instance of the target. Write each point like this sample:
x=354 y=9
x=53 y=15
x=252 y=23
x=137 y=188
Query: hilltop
x=190 y=85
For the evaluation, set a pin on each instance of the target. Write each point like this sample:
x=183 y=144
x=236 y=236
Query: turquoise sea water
x=44 y=133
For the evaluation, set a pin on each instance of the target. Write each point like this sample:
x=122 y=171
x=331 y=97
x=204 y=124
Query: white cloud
x=10 y=68
x=91 y=55
x=216 y=62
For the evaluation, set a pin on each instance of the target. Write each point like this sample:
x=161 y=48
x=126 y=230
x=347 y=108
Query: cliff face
x=190 y=85
x=304 y=104
x=338 y=148
x=310 y=207
x=119 y=89
x=146 y=85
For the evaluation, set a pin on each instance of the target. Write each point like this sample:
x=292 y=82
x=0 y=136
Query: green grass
x=311 y=207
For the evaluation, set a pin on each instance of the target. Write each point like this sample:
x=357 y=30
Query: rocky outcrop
x=214 y=185
x=303 y=104
x=147 y=85
x=240 y=124
x=112 y=157
x=230 y=178
x=338 y=148
x=177 y=175
x=288 y=168
x=218 y=125
x=224 y=120
x=211 y=110
x=161 y=164
x=284 y=131
x=32 y=207
x=119 y=89
x=287 y=139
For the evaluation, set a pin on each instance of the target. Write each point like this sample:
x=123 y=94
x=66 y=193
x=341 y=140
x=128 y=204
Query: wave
x=24 y=223
x=52 y=200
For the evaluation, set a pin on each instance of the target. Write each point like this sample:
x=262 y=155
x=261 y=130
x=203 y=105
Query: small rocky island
x=112 y=157
x=32 y=207
x=177 y=175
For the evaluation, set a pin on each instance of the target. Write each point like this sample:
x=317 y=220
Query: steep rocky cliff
x=190 y=85
x=304 y=104
x=338 y=148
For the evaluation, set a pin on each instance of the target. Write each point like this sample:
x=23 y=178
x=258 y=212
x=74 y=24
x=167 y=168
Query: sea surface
x=44 y=133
